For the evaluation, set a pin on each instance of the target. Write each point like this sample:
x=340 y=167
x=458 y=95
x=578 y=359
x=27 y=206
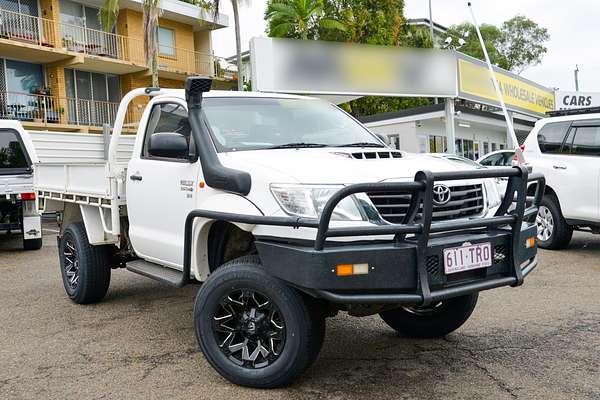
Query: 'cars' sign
x=571 y=100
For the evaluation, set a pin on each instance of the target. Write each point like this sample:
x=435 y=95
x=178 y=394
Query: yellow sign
x=475 y=83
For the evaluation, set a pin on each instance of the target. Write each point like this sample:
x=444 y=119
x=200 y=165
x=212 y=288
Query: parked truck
x=287 y=210
x=18 y=210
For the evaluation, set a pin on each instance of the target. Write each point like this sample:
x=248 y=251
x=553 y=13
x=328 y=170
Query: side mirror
x=169 y=144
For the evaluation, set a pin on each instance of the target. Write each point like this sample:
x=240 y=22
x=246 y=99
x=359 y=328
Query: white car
x=566 y=149
x=18 y=209
x=288 y=210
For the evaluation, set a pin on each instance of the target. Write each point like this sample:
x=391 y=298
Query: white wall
x=406 y=135
x=411 y=134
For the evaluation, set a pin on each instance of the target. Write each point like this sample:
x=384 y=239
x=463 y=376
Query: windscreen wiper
x=361 y=144
x=297 y=145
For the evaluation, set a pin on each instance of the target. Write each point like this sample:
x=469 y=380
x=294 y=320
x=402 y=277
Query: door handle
x=559 y=167
x=135 y=177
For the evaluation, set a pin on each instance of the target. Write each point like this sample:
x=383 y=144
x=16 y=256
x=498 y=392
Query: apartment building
x=60 y=71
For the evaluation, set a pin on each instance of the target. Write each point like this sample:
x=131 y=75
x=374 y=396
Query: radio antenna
x=509 y=123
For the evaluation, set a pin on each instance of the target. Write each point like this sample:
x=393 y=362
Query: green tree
x=368 y=21
x=215 y=5
x=491 y=37
x=517 y=45
x=108 y=17
x=299 y=19
x=522 y=43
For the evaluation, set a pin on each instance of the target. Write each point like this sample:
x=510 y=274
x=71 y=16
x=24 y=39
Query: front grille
x=432 y=265
x=500 y=253
x=465 y=201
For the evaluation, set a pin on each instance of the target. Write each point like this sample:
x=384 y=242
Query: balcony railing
x=30 y=107
x=27 y=28
x=43 y=32
x=188 y=61
x=54 y=110
x=99 y=43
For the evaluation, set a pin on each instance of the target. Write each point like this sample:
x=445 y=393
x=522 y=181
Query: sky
x=573 y=26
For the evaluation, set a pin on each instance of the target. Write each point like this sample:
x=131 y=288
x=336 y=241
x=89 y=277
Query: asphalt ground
x=539 y=341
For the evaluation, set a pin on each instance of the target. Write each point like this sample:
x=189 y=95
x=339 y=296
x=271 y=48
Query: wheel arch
x=92 y=222
x=218 y=241
x=547 y=191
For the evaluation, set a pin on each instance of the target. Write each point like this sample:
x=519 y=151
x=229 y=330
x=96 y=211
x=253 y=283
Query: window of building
x=79 y=15
x=92 y=98
x=19 y=83
x=486 y=147
x=27 y=7
x=466 y=148
x=438 y=144
x=166 y=41
x=81 y=30
x=15 y=24
x=21 y=77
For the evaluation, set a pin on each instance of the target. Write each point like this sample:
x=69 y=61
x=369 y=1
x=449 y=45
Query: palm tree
x=108 y=16
x=298 y=18
x=215 y=5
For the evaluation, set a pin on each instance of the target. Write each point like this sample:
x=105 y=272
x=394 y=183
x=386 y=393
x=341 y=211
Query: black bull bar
x=421 y=190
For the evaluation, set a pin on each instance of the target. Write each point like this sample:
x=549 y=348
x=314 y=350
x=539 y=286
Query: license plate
x=467 y=257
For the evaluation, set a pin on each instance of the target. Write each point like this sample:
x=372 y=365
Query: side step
x=157 y=272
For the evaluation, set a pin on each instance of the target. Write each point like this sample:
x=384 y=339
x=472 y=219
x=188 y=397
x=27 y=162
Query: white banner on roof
x=315 y=67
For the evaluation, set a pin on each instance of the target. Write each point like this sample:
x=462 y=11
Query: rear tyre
x=553 y=231
x=32 y=244
x=434 y=321
x=85 y=268
x=254 y=329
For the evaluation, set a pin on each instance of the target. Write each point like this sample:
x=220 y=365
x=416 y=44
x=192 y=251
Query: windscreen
x=263 y=123
x=12 y=156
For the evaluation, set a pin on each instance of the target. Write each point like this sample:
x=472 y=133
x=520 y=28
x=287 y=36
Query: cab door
x=161 y=189
x=582 y=159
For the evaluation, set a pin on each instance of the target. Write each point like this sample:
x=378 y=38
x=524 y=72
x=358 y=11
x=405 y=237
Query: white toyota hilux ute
x=18 y=210
x=287 y=210
x=566 y=150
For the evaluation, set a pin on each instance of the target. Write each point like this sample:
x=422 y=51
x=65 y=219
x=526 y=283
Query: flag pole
x=509 y=123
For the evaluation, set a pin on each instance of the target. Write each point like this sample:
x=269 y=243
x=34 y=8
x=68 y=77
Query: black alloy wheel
x=249 y=328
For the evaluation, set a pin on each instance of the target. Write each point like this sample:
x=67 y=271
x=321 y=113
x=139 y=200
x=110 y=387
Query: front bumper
x=407 y=269
x=393 y=273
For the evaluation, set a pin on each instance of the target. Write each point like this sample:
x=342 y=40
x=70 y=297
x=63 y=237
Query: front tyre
x=433 y=321
x=253 y=329
x=85 y=268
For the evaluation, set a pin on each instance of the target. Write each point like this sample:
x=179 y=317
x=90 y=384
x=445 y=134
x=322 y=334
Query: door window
x=551 y=137
x=586 y=141
x=168 y=118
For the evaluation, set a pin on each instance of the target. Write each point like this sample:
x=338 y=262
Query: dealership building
x=423 y=129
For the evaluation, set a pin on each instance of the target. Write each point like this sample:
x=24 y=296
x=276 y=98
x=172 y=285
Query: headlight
x=309 y=201
x=492 y=194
